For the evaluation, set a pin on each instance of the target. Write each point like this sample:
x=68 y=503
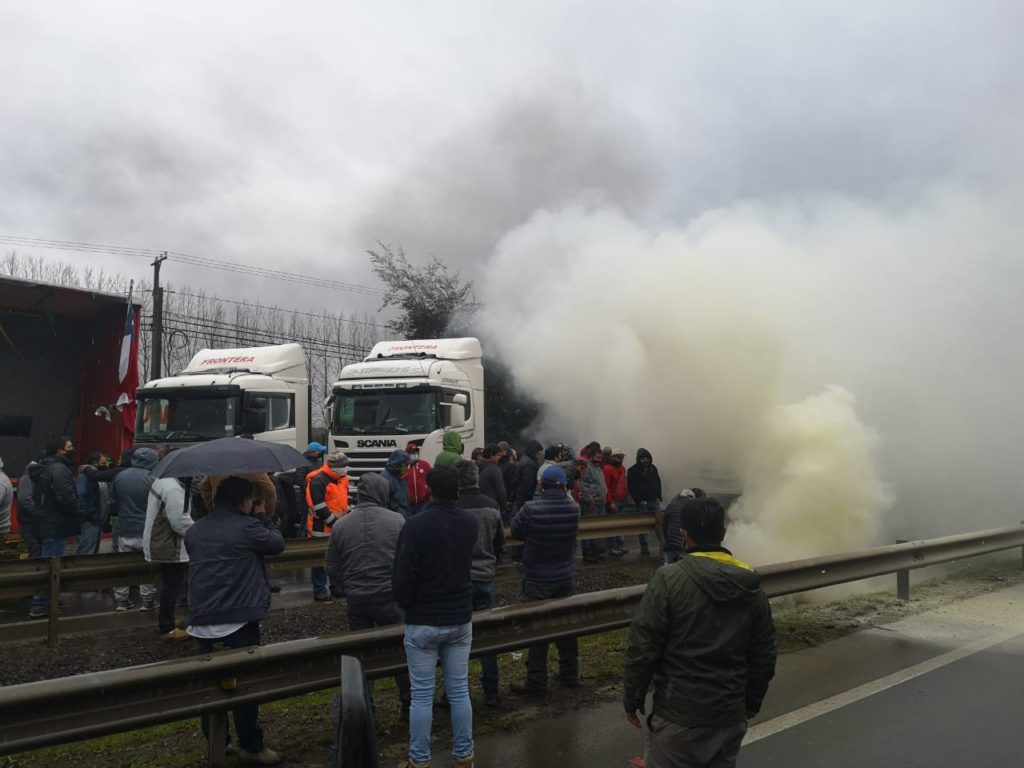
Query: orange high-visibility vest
x=326 y=495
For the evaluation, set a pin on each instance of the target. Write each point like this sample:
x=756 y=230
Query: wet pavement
x=938 y=689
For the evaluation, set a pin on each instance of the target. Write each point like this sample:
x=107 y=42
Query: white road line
x=823 y=707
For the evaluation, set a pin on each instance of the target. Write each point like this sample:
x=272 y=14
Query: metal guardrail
x=81 y=573
x=52 y=712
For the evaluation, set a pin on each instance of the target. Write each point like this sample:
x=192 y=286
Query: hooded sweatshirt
x=131 y=491
x=452 y=453
x=361 y=551
x=490 y=537
x=704 y=634
x=398 y=489
x=643 y=481
x=6 y=499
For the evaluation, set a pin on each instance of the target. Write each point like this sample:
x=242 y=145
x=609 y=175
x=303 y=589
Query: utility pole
x=158 y=319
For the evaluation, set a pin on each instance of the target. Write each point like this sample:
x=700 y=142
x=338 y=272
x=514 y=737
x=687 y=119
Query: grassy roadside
x=300 y=727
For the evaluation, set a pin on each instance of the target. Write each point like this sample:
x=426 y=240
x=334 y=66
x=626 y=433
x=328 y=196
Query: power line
x=199 y=261
x=279 y=309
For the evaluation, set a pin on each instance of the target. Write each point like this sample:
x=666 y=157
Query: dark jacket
x=131 y=490
x=527 y=474
x=704 y=634
x=672 y=523
x=432 y=581
x=548 y=526
x=228 y=581
x=361 y=552
x=492 y=483
x=592 y=488
x=56 y=500
x=510 y=474
x=452 y=453
x=644 y=481
x=89 y=499
x=490 y=539
x=25 y=503
x=398 y=489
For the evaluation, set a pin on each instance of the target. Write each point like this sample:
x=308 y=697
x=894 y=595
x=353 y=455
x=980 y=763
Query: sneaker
x=462 y=762
x=176 y=634
x=521 y=686
x=148 y=605
x=410 y=763
x=324 y=598
x=266 y=757
x=123 y=605
x=491 y=698
x=37 y=613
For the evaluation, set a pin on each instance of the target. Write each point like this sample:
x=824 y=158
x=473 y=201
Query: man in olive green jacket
x=704 y=634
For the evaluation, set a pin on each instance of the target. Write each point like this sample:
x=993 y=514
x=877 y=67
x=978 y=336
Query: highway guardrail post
x=54 y=609
x=902 y=580
x=217 y=743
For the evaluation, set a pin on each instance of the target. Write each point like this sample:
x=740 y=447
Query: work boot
x=491 y=698
x=462 y=762
x=176 y=634
x=324 y=598
x=522 y=686
x=265 y=757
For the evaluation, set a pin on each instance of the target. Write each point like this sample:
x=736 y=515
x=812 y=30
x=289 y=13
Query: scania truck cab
x=408 y=392
x=262 y=391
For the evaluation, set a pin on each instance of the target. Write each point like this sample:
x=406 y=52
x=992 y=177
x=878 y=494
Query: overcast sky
x=295 y=135
x=853 y=170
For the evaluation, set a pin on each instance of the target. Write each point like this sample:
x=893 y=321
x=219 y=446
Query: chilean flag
x=126 y=352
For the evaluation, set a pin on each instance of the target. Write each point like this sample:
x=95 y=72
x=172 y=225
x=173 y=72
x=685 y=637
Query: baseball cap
x=553 y=476
x=412 y=448
x=618 y=452
x=315 y=446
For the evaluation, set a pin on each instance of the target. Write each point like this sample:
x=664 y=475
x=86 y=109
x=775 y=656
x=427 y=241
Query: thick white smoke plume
x=734 y=348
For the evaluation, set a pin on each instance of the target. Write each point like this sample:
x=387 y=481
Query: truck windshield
x=386 y=412
x=186 y=416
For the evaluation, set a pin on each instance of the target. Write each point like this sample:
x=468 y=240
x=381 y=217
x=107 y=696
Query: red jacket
x=615 y=479
x=416 y=479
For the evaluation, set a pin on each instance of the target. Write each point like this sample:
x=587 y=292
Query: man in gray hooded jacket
x=360 y=560
x=130 y=492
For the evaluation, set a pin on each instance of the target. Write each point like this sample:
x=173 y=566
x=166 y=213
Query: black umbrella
x=230 y=456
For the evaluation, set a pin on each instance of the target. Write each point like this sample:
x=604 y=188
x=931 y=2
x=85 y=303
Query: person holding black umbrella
x=229 y=590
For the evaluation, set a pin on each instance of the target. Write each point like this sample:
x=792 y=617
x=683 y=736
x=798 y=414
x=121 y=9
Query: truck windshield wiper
x=182 y=435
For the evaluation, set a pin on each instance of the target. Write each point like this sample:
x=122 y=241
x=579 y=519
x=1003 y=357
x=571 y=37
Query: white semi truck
x=408 y=392
x=262 y=391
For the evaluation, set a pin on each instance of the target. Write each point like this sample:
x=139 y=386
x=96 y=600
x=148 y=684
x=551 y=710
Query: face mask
x=71 y=456
x=414 y=457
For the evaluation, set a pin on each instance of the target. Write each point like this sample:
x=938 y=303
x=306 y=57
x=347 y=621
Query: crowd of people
x=419 y=547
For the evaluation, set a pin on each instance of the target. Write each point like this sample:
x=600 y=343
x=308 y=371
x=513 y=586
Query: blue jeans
x=89 y=539
x=590 y=547
x=483 y=598
x=423 y=646
x=650 y=507
x=318 y=577
x=48 y=548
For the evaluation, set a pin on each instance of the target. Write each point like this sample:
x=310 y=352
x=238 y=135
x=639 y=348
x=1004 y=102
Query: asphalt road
x=943 y=688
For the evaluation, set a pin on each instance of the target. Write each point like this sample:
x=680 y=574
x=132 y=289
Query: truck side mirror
x=457 y=415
